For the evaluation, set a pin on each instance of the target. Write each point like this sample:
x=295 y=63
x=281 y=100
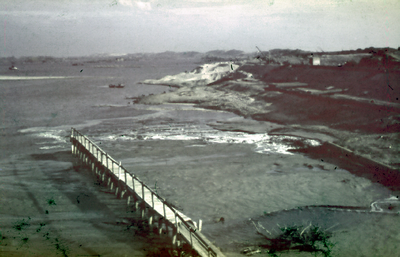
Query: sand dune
x=200 y=76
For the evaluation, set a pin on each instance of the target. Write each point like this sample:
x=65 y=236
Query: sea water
x=206 y=173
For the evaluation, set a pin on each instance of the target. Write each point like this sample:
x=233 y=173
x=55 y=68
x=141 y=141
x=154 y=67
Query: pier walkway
x=169 y=221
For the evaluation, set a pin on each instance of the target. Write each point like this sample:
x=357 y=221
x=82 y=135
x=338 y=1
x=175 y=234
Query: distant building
x=315 y=60
x=335 y=59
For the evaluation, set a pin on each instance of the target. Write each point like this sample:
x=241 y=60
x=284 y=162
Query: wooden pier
x=168 y=220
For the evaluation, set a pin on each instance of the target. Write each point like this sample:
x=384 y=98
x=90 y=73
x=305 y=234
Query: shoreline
x=208 y=182
x=256 y=98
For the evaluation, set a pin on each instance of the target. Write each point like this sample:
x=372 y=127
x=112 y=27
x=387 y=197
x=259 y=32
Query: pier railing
x=128 y=186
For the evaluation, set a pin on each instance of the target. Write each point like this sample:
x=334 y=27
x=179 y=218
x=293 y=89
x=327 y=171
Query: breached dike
x=200 y=76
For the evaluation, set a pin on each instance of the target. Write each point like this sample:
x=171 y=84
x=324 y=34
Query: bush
x=309 y=239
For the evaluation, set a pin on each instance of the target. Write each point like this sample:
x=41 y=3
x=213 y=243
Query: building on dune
x=315 y=59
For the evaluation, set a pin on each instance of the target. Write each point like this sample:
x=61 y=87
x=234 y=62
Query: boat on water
x=116 y=86
x=13 y=68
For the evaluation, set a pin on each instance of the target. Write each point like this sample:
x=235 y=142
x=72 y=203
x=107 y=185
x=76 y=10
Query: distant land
x=352 y=96
x=323 y=127
x=370 y=55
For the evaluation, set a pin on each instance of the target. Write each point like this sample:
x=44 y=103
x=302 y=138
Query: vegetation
x=169 y=251
x=20 y=225
x=51 y=201
x=309 y=239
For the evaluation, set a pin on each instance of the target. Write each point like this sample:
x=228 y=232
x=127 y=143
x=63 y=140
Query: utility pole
x=262 y=54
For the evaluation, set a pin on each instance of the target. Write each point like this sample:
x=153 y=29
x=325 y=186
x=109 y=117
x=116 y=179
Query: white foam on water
x=57 y=137
x=195 y=146
x=4 y=77
x=312 y=142
x=387 y=205
x=53 y=134
x=50 y=147
x=265 y=144
x=264 y=148
x=56 y=134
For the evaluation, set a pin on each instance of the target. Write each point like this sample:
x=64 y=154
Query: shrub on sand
x=311 y=239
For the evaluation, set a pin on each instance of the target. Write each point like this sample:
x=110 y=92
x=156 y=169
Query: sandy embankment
x=194 y=87
x=305 y=101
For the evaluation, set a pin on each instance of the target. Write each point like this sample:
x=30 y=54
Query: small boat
x=13 y=68
x=116 y=86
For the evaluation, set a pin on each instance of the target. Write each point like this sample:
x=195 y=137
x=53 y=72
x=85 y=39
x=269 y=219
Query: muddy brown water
x=207 y=173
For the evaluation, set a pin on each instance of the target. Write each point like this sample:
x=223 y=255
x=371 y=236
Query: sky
x=66 y=28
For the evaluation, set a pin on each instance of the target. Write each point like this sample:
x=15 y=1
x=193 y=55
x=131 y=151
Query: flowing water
x=206 y=173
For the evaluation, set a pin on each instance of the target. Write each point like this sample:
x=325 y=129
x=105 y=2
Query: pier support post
x=143 y=203
x=116 y=190
x=84 y=146
x=96 y=162
x=160 y=225
x=119 y=171
x=150 y=218
x=166 y=227
x=93 y=158
x=175 y=230
x=174 y=236
x=72 y=140
x=143 y=209
x=123 y=192
x=103 y=176
x=107 y=161
x=165 y=219
x=80 y=154
x=87 y=150
x=133 y=185
x=128 y=201
x=200 y=225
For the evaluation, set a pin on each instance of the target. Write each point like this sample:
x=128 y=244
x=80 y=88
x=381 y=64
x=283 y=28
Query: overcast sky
x=83 y=27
